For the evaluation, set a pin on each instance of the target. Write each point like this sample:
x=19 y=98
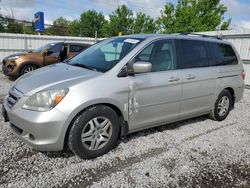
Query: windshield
x=106 y=54
x=42 y=48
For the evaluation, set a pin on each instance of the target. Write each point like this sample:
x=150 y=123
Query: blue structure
x=39 y=22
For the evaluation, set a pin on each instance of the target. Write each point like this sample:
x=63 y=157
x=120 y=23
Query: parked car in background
x=123 y=85
x=19 y=64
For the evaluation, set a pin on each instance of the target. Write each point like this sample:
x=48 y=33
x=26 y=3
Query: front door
x=154 y=97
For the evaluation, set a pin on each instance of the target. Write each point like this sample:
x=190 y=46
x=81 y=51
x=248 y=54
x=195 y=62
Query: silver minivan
x=122 y=85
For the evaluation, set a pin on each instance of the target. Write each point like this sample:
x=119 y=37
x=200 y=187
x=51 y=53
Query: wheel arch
x=123 y=123
x=25 y=64
x=231 y=90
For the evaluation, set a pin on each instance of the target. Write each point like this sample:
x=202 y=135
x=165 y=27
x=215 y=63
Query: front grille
x=11 y=100
x=14 y=96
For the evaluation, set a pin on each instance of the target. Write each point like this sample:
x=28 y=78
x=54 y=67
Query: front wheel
x=222 y=106
x=27 y=68
x=94 y=132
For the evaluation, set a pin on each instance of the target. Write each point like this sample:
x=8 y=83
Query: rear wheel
x=222 y=106
x=27 y=69
x=94 y=132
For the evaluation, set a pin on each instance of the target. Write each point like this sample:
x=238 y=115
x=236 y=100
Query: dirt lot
x=194 y=153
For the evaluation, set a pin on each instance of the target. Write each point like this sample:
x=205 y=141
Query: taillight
x=242 y=75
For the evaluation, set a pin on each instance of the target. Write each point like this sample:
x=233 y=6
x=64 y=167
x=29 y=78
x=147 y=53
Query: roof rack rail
x=202 y=35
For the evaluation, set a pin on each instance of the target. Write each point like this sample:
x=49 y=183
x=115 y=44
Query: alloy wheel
x=29 y=69
x=223 y=105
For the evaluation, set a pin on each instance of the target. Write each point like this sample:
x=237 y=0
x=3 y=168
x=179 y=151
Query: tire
x=88 y=141
x=27 y=69
x=222 y=109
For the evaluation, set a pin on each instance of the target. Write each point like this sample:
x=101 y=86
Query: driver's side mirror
x=136 y=68
x=46 y=52
x=141 y=67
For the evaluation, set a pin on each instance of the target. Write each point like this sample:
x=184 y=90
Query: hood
x=58 y=75
x=19 y=54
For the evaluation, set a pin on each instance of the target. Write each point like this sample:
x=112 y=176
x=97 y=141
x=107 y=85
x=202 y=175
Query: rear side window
x=192 y=54
x=76 y=48
x=222 y=54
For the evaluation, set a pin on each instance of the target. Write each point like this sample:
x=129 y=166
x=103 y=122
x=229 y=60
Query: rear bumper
x=239 y=92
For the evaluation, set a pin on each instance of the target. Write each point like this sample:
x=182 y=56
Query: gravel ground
x=195 y=153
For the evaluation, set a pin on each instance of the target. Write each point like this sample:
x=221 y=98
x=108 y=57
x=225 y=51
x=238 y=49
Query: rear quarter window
x=222 y=54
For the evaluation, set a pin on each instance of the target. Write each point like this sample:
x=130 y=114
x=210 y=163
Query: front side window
x=105 y=55
x=222 y=54
x=146 y=53
x=161 y=54
x=193 y=53
x=56 y=48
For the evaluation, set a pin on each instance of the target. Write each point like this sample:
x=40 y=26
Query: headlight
x=14 y=57
x=45 y=100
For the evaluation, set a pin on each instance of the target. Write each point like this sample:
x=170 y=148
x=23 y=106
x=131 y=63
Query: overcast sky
x=238 y=10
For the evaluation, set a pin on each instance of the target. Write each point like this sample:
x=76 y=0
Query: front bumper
x=4 y=114
x=4 y=69
x=7 y=71
x=44 y=131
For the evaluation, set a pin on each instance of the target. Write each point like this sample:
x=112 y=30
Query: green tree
x=74 y=28
x=89 y=23
x=193 y=16
x=144 y=24
x=29 y=30
x=226 y=25
x=121 y=20
x=60 y=27
x=1 y=23
x=12 y=26
x=1 y=28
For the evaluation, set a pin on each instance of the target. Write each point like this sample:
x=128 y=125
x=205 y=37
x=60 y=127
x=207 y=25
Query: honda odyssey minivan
x=122 y=85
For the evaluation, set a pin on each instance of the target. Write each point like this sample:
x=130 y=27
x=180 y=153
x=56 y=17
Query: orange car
x=18 y=64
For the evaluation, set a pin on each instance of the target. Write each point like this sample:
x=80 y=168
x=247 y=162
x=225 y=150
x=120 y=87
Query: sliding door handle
x=190 y=77
x=173 y=79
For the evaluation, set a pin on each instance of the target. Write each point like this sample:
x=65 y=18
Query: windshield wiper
x=83 y=66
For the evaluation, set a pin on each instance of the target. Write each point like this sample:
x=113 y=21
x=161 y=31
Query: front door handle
x=190 y=77
x=173 y=79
